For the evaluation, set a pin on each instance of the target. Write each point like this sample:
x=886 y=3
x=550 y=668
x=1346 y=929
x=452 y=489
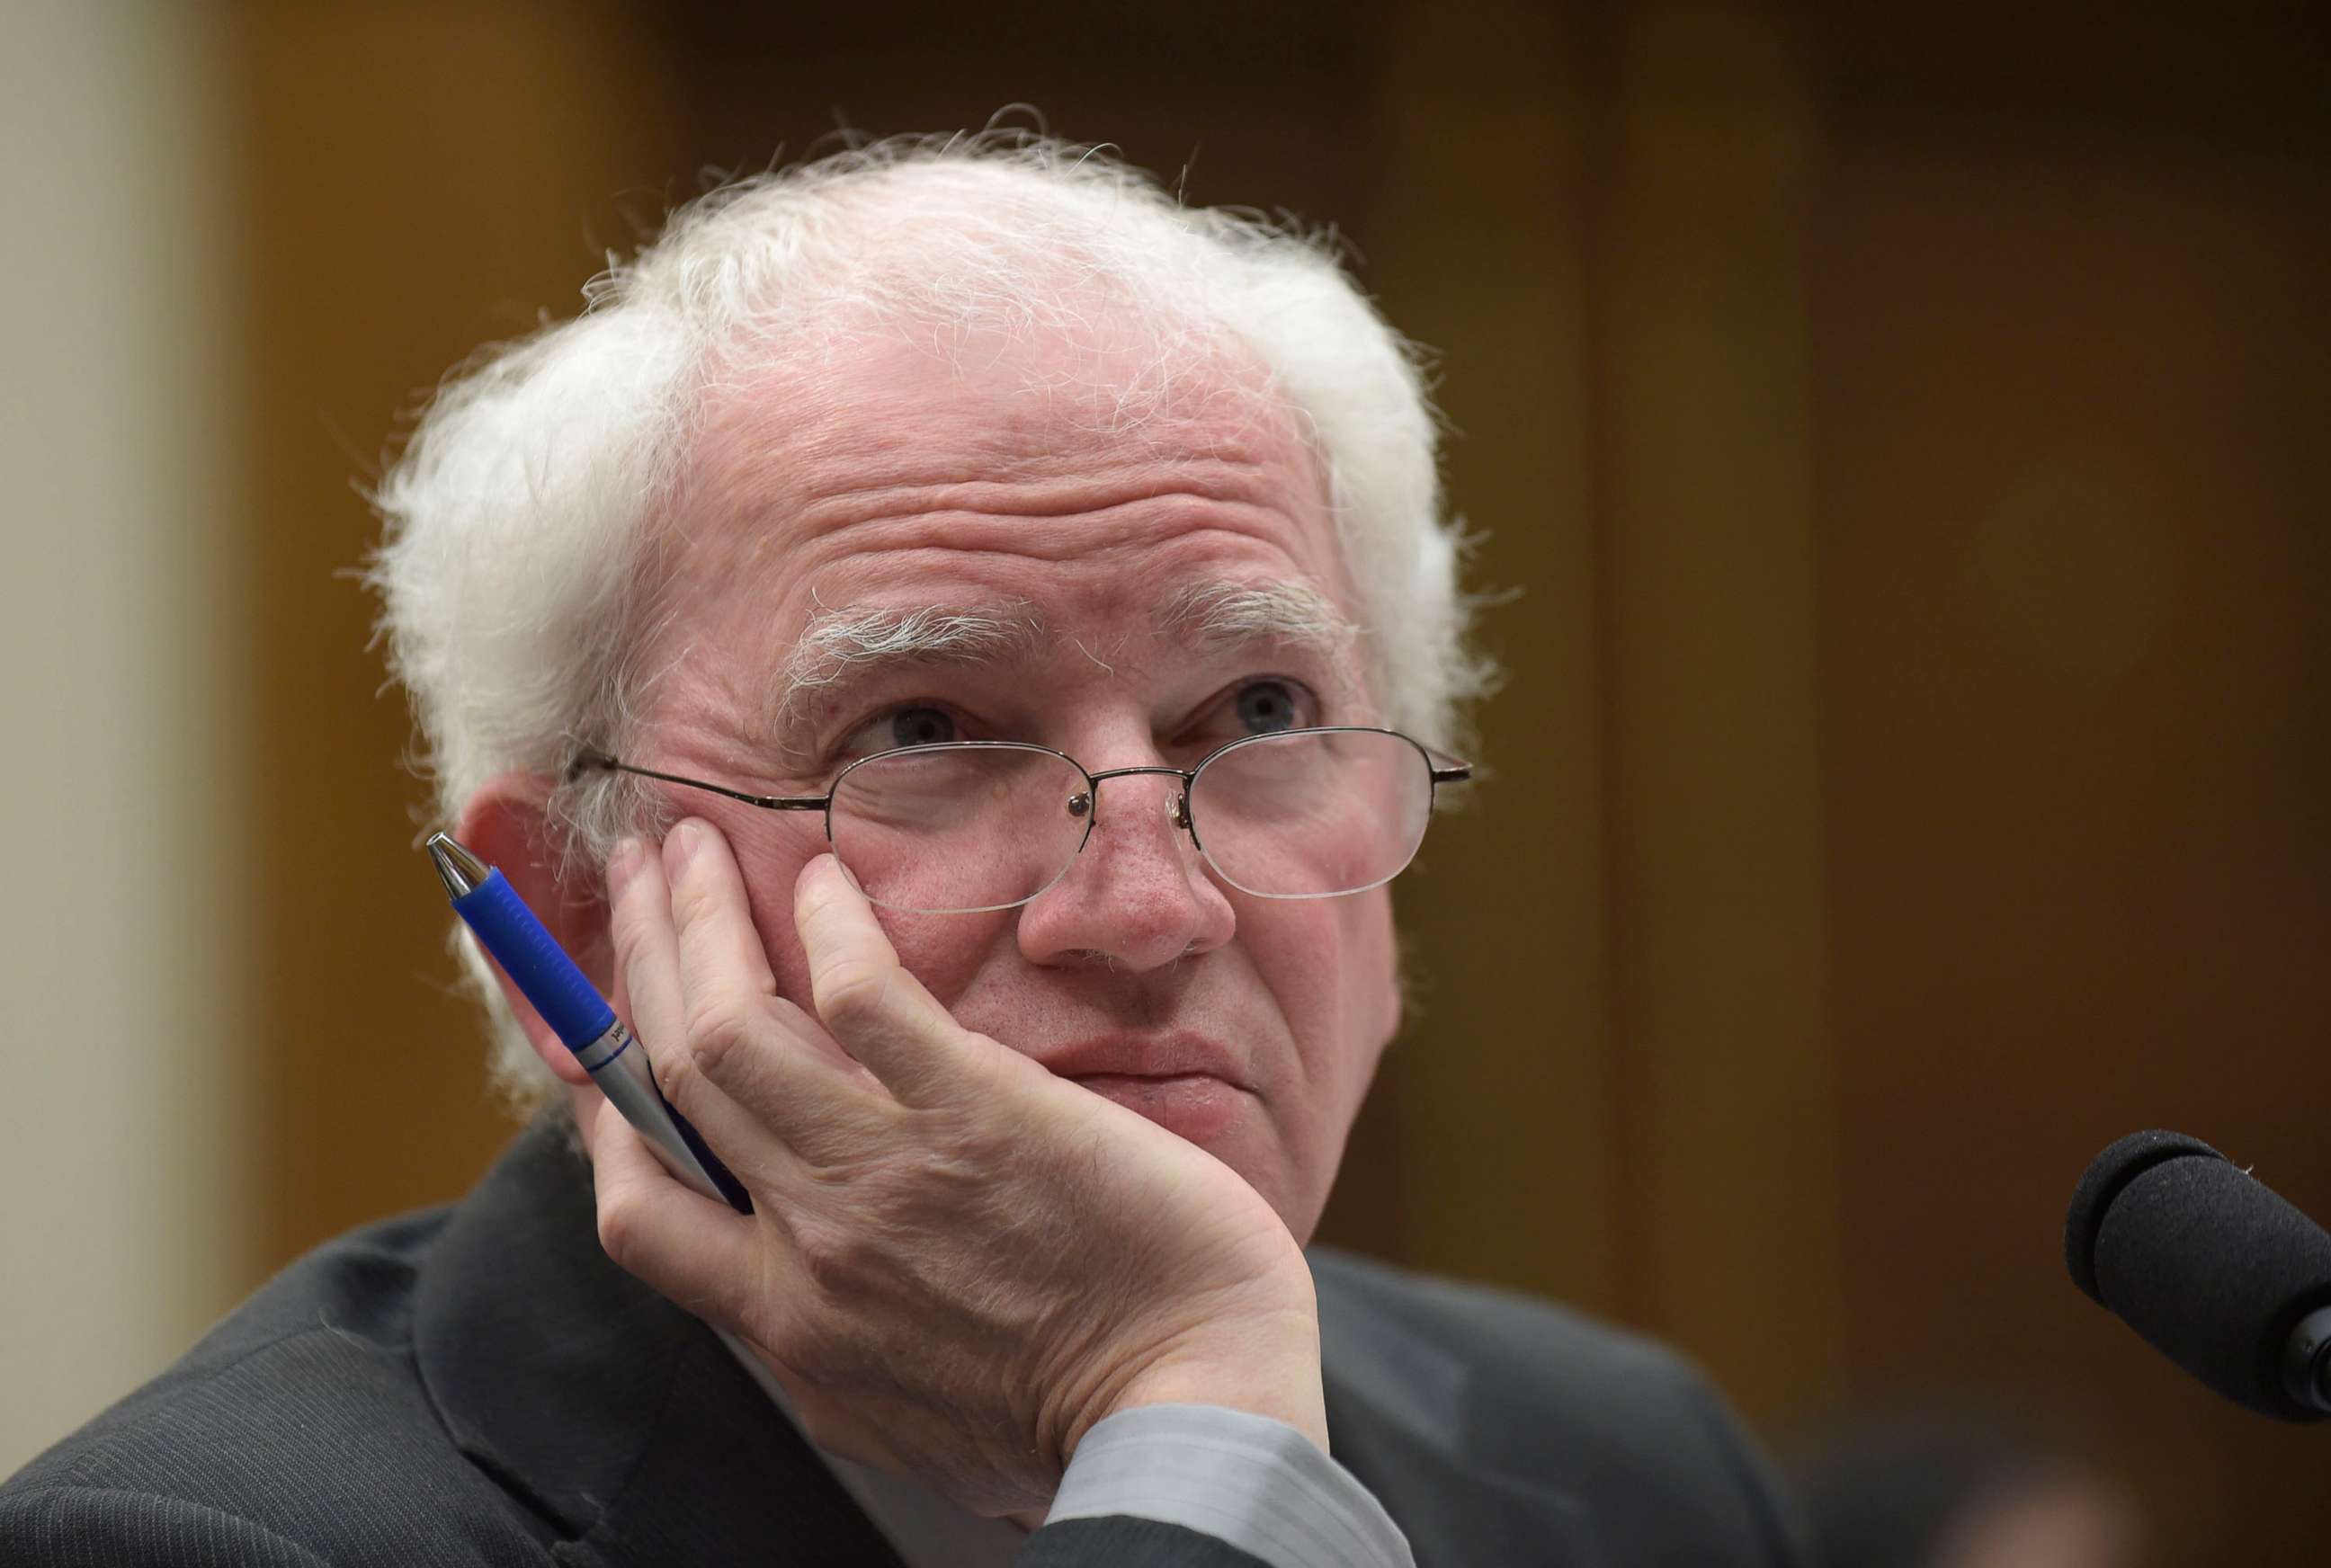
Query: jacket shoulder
x=66 y=1526
x=1496 y=1384
x=1487 y=1326
x=297 y=1431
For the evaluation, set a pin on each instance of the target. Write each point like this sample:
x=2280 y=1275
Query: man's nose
x=1138 y=895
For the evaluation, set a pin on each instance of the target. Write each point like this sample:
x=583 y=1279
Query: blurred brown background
x=1898 y=426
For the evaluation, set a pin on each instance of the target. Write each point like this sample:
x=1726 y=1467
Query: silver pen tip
x=459 y=869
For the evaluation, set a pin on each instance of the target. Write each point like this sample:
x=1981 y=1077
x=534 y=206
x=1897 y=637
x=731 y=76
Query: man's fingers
x=696 y=1251
x=881 y=1014
x=651 y=991
x=737 y=1030
x=647 y=951
x=720 y=950
x=666 y=1019
x=723 y=966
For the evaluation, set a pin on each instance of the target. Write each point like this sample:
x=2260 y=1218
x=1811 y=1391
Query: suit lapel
x=622 y=1424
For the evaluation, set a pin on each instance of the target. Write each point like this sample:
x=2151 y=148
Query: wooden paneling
x=2074 y=651
x=1719 y=956
x=418 y=180
x=1503 y=1082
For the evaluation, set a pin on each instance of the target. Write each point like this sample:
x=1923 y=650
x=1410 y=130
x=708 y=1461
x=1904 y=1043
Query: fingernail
x=679 y=847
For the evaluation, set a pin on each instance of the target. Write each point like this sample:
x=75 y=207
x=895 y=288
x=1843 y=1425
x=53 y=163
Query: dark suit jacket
x=479 y=1385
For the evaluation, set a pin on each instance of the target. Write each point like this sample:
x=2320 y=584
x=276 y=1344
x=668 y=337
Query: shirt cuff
x=1254 y=1483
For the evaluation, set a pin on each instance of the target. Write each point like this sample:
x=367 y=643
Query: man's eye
x=917 y=726
x=1265 y=706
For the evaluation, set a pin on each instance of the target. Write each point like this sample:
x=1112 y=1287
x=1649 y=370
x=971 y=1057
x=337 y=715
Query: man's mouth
x=1195 y=1105
x=1189 y=1084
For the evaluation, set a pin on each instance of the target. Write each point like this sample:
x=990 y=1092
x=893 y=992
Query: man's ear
x=503 y=825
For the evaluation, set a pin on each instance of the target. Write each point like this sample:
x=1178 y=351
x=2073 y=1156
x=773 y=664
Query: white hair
x=520 y=569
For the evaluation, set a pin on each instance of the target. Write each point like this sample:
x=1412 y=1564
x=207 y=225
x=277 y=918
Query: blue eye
x=918 y=727
x=1265 y=706
x=914 y=724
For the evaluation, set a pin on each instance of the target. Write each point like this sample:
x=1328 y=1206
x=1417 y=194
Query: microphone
x=2215 y=1270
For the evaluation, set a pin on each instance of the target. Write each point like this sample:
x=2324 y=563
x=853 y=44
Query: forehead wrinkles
x=819 y=439
x=799 y=465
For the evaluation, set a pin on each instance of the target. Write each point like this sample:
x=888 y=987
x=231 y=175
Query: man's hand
x=958 y=1263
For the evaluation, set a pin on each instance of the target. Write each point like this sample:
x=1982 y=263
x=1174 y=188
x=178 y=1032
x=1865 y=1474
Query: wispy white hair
x=520 y=569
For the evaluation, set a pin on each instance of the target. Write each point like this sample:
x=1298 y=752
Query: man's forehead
x=882 y=466
x=875 y=410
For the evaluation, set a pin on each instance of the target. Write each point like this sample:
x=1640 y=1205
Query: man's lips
x=1180 y=1054
x=1195 y=1105
x=1189 y=1084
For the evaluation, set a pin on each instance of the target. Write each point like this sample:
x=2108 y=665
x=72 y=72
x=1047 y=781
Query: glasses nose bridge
x=1177 y=812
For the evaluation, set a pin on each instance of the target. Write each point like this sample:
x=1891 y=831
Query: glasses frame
x=1441 y=769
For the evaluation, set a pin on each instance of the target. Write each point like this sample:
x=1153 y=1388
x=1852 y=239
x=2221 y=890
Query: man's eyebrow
x=855 y=640
x=846 y=645
x=1286 y=611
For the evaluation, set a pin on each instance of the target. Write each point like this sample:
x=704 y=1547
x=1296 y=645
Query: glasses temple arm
x=592 y=759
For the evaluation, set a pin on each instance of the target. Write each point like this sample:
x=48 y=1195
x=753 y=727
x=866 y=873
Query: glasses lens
x=951 y=830
x=1313 y=813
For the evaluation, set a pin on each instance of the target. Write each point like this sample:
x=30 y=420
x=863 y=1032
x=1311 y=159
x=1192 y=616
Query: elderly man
x=956 y=646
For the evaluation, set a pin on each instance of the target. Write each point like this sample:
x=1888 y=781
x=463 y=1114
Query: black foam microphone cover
x=2208 y=1264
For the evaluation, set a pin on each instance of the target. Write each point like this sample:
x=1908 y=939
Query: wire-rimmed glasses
x=969 y=826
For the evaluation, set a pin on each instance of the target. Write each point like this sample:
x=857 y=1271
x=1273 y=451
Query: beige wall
x=121 y=1202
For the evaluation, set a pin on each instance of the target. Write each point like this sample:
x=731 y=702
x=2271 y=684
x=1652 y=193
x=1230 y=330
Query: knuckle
x=673 y=1070
x=619 y=1230
x=718 y=1026
x=995 y=1071
x=833 y=1258
x=851 y=991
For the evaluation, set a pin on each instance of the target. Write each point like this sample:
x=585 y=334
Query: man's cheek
x=773 y=918
x=1342 y=994
x=1376 y=974
x=945 y=952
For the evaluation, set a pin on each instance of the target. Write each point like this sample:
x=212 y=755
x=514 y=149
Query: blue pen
x=573 y=1007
